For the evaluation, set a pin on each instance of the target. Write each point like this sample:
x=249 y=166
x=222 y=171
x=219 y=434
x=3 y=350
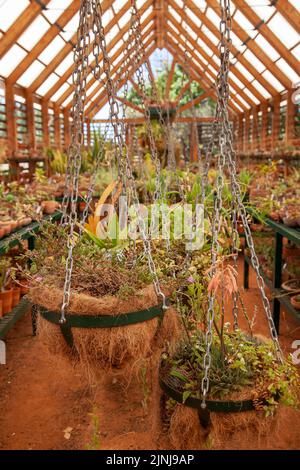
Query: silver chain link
x=227 y=156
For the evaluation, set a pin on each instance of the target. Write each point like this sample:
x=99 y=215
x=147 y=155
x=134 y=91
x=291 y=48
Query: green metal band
x=104 y=321
x=231 y=406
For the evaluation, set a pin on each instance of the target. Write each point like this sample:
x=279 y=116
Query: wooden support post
x=88 y=138
x=276 y=122
x=241 y=134
x=31 y=132
x=264 y=125
x=67 y=127
x=246 y=132
x=11 y=128
x=57 y=126
x=45 y=123
x=194 y=143
x=290 y=119
x=255 y=142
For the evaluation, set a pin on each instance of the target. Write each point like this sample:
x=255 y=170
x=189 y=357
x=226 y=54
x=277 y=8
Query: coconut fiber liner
x=239 y=430
x=105 y=346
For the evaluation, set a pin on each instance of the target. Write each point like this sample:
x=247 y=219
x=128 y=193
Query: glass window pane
x=45 y=87
x=52 y=50
x=11 y=59
x=283 y=30
x=55 y=9
x=31 y=74
x=273 y=80
x=8 y=15
x=33 y=33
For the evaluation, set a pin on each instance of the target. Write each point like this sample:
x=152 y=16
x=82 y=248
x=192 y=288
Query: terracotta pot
x=24 y=287
x=2 y=233
x=49 y=207
x=7 y=298
x=290 y=251
x=291 y=286
x=295 y=301
x=16 y=296
x=6 y=226
x=290 y=221
x=14 y=225
x=1 y=309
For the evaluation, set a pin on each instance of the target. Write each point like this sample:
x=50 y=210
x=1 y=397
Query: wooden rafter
x=194 y=102
x=61 y=56
x=112 y=43
x=117 y=68
x=179 y=40
x=183 y=90
x=48 y=37
x=210 y=25
x=130 y=105
x=202 y=80
x=256 y=49
x=20 y=25
x=170 y=79
x=268 y=34
x=289 y=12
x=103 y=98
x=214 y=48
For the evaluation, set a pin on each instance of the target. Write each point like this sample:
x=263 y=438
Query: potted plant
x=247 y=382
x=6 y=293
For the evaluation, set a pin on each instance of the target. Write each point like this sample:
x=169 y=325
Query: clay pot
x=7 y=298
x=49 y=207
x=2 y=233
x=24 y=287
x=295 y=301
x=16 y=296
x=14 y=225
x=290 y=221
x=6 y=226
x=291 y=286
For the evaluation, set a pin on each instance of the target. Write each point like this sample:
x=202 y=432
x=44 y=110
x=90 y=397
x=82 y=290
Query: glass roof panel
x=8 y=14
x=296 y=52
x=244 y=23
x=60 y=92
x=175 y=15
x=251 y=96
x=236 y=80
x=273 y=80
x=288 y=71
x=213 y=16
x=283 y=30
x=266 y=47
x=33 y=33
x=243 y=101
x=55 y=9
x=261 y=89
x=295 y=4
x=195 y=19
x=31 y=74
x=45 y=87
x=254 y=61
x=244 y=71
x=205 y=48
x=68 y=100
x=262 y=8
x=52 y=50
x=65 y=64
x=8 y=62
x=71 y=28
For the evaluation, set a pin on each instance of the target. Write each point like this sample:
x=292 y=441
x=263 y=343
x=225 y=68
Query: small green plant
x=94 y=444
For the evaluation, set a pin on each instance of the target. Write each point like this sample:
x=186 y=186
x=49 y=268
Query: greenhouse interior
x=149 y=225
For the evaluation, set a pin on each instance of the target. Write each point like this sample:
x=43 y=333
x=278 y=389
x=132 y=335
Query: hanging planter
x=108 y=330
x=245 y=386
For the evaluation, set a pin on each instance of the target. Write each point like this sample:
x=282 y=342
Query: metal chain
x=79 y=77
x=228 y=156
x=119 y=132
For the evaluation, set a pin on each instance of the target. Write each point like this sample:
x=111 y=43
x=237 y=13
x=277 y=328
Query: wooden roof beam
x=268 y=34
x=112 y=43
x=211 y=62
x=117 y=67
x=170 y=79
x=20 y=25
x=255 y=48
x=289 y=12
x=51 y=67
x=103 y=98
x=210 y=25
x=48 y=37
x=216 y=51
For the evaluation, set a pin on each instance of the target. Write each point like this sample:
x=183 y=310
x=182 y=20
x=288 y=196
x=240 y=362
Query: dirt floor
x=46 y=403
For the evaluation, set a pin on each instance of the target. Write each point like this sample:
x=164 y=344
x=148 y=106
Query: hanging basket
x=108 y=330
x=189 y=425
